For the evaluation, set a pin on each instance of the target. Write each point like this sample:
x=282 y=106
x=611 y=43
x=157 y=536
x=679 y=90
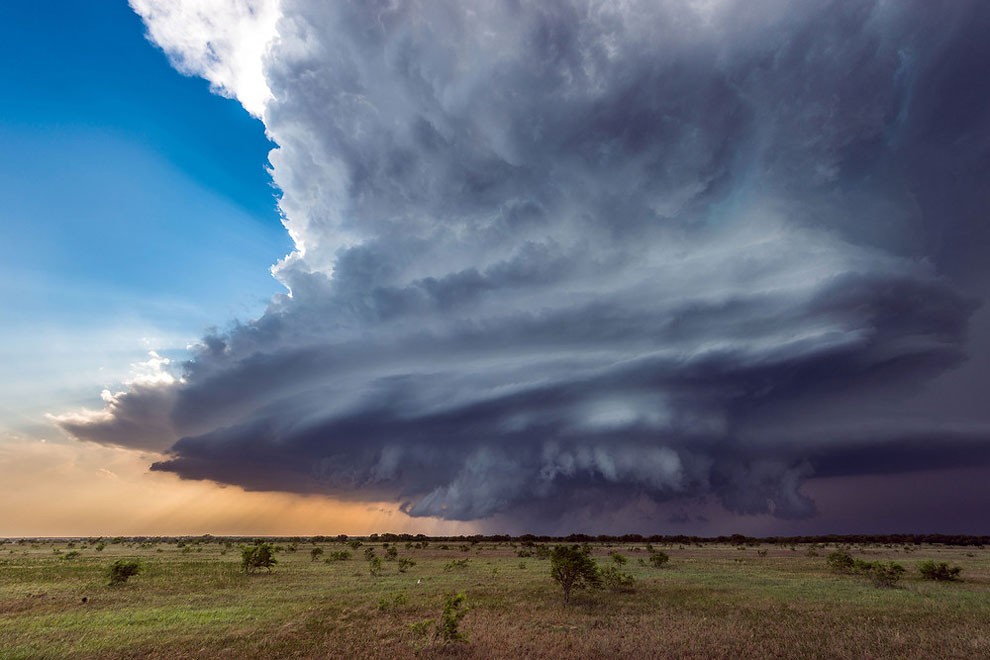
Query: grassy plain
x=712 y=601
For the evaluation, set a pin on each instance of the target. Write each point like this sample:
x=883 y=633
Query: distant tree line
x=528 y=539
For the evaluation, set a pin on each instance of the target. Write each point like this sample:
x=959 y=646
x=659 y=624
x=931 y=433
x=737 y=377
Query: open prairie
x=192 y=599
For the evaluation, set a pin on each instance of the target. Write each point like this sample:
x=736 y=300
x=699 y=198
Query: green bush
x=615 y=580
x=258 y=556
x=620 y=560
x=391 y=554
x=122 y=569
x=455 y=564
x=940 y=571
x=446 y=629
x=840 y=561
x=659 y=558
x=879 y=573
x=375 y=566
x=405 y=564
x=338 y=555
x=315 y=553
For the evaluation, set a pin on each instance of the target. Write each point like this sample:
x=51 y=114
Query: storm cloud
x=553 y=251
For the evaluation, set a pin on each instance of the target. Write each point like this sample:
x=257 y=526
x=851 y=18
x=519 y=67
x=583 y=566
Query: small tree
x=375 y=566
x=122 y=569
x=940 y=571
x=572 y=567
x=315 y=553
x=258 y=556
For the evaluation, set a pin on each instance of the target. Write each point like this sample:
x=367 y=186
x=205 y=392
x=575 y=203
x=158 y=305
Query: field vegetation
x=395 y=597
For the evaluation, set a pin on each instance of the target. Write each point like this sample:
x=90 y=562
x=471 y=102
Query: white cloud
x=223 y=41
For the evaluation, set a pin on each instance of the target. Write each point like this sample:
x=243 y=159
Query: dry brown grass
x=710 y=602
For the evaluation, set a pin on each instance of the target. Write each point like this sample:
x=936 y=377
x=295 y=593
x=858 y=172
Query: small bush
x=391 y=554
x=880 y=574
x=338 y=555
x=620 y=560
x=375 y=566
x=405 y=564
x=659 y=558
x=258 y=556
x=122 y=569
x=446 y=629
x=72 y=554
x=940 y=571
x=369 y=552
x=840 y=561
x=455 y=564
x=385 y=603
x=315 y=553
x=615 y=580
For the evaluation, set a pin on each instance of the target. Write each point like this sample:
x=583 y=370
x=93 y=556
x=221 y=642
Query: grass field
x=712 y=601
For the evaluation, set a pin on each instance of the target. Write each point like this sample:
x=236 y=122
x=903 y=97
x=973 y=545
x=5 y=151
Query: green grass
x=711 y=601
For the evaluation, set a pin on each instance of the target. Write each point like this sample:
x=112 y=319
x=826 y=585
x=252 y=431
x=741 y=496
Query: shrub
x=72 y=554
x=375 y=566
x=446 y=629
x=385 y=603
x=455 y=563
x=338 y=555
x=258 y=556
x=659 y=558
x=615 y=580
x=122 y=569
x=405 y=564
x=840 y=561
x=99 y=546
x=880 y=574
x=572 y=567
x=932 y=570
x=369 y=552
x=315 y=553
x=354 y=544
x=391 y=554
x=620 y=560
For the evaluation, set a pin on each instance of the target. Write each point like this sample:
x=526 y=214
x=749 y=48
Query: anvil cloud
x=553 y=251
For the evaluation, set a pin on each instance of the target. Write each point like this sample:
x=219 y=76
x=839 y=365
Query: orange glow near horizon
x=81 y=489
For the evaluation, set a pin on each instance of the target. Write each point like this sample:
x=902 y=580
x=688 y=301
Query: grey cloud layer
x=549 y=249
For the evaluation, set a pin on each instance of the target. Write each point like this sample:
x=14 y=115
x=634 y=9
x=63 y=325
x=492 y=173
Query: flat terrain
x=710 y=601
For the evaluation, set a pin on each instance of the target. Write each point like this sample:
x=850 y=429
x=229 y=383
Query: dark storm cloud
x=557 y=252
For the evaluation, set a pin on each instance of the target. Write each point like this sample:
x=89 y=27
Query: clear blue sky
x=136 y=210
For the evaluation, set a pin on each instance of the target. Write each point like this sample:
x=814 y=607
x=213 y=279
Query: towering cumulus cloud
x=550 y=252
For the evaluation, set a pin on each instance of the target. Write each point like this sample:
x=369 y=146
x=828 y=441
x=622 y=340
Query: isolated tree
x=258 y=556
x=572 y=567
x=122 y=569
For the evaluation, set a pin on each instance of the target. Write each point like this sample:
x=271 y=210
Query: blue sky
x=137 y=207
